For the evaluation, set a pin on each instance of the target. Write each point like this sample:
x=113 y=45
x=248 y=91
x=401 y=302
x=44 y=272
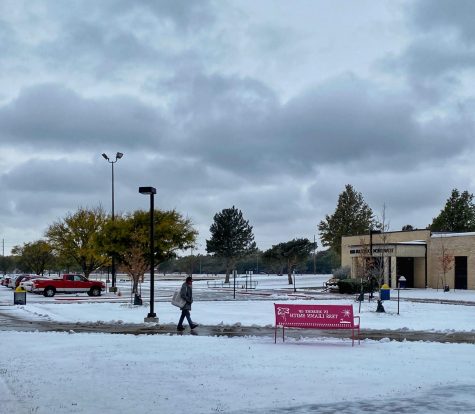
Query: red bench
x=316 y=317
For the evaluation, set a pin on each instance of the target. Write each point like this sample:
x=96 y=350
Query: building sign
x=376 y=251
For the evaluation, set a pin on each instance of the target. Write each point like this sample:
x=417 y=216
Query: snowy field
x=103 y=373
x=251 y=308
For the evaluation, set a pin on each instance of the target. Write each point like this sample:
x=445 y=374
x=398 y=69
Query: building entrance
x=460 y=272
x=405 y=267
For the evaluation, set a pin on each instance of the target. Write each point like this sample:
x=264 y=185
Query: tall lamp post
x=118 y=156
x=152 y=316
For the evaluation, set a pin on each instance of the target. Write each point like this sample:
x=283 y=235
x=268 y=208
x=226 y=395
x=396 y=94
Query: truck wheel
x=49 y=292
x=95 y=291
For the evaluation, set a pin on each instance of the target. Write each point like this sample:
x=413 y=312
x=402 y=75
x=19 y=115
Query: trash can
x=384 y=293
x=19 y=297
x=402 y=282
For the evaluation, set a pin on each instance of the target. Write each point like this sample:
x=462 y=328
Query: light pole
x=118 y=156
x=152 y=316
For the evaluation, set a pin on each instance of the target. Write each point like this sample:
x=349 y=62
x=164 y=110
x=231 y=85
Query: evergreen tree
x=327 y=260
x=458 y=214
x=290 y=253
x=274 y=259
x=231 y=237
x=351 y=217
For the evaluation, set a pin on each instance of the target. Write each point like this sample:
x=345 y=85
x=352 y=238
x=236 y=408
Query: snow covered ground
x=103 y=373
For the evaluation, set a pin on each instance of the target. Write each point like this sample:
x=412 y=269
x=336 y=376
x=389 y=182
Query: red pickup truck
x=68 y=284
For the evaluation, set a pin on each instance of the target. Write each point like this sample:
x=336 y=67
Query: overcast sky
x=271 y=106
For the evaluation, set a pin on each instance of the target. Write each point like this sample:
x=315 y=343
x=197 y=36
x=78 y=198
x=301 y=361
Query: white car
x=11 y=283
x=28 y=284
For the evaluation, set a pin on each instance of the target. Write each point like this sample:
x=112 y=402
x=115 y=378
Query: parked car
x=11 y=283
x=20 y=278
x=5 y=281
x=68 y=283
x=27 y=283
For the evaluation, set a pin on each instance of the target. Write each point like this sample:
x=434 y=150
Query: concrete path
x=7 y=322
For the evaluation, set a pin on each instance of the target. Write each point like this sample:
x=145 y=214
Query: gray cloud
x=346 y=120
x=445 y=15
x=181 y=13
x=434 y=67
x=440 y=53
x=41 y=176
x=111 y=41
x=54 y=117
x=220 y=104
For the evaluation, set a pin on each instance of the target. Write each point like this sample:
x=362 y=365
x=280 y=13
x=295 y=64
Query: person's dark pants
x=185 y=314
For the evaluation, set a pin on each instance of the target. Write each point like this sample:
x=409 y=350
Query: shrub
x=348 y=286
x=352 y=286
x=342 y=273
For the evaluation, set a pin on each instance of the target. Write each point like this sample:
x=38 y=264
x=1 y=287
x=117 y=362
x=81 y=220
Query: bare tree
x=379 y=265
x=135 y=265
x=446 y=263
x=363 y=260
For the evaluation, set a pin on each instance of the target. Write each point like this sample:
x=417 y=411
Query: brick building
x=417 y=255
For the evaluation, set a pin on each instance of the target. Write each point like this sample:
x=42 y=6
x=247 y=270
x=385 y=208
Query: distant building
x=417 y=255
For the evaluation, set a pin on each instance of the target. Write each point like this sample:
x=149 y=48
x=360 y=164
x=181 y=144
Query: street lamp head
x=105 y=156
x=147 y=190
x=118 y=156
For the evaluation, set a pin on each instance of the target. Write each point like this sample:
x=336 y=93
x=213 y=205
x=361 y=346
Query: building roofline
x=389 y=232
x=409 y=243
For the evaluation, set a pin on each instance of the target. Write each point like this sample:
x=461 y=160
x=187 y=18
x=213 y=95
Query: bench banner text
x=295 y=315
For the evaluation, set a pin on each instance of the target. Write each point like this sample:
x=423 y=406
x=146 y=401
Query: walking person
x=186 y=293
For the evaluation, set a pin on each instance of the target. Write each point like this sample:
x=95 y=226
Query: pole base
x=151 y=319
x=113 y=289
x=380 y=307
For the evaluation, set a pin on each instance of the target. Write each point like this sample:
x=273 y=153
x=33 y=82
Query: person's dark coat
x=186 y=293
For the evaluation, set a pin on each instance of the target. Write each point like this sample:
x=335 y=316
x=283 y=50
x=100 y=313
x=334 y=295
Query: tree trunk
x=229 y=266
x=289 y=272
x=135 y=287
